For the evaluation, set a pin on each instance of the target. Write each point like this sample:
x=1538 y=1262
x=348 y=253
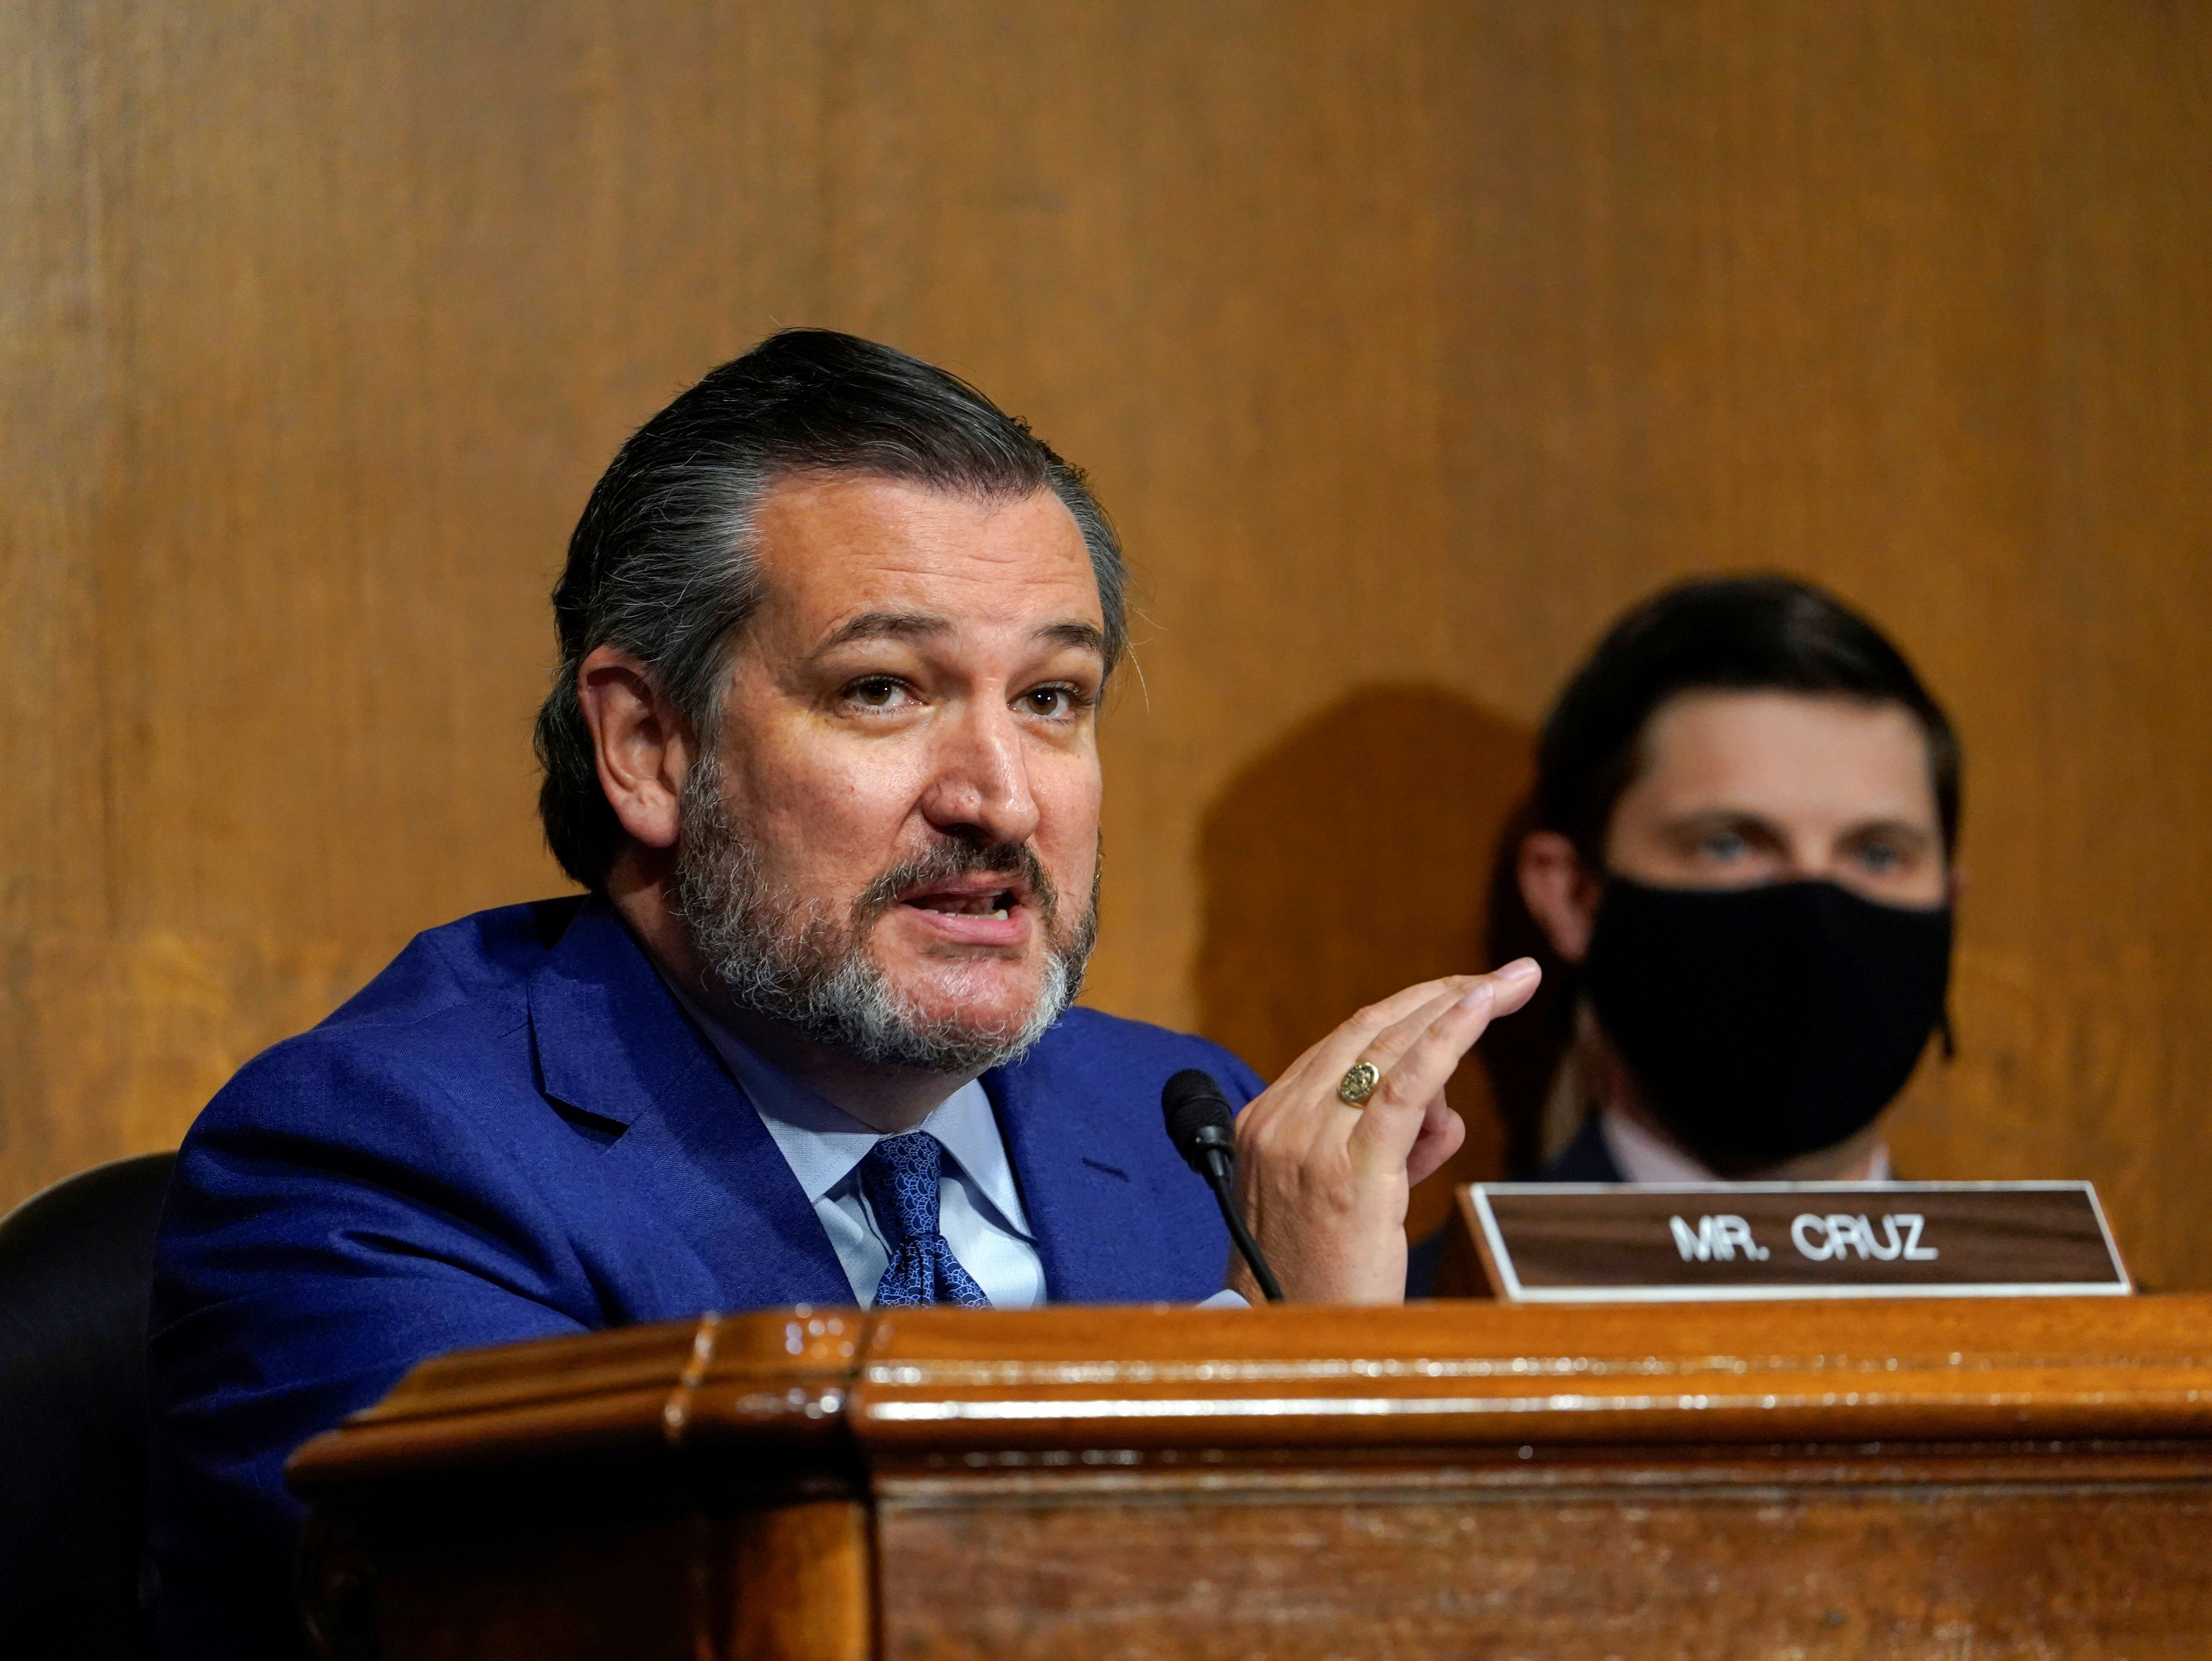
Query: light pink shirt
x=1642 y=1157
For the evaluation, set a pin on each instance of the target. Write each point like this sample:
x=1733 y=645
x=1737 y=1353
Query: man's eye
x=877 y=692
x=1725 y=845
x=1053 y=702
x=1881 y=857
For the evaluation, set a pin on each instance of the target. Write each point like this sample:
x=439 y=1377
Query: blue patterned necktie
x=900 y=1178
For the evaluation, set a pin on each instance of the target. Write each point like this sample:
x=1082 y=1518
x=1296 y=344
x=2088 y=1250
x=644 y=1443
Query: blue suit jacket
x=514 y=1132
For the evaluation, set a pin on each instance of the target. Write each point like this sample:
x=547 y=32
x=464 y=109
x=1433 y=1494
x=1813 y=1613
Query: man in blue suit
x=821 y=751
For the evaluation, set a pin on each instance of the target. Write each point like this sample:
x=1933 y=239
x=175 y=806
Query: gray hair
x=664 y=563
x=788 y=957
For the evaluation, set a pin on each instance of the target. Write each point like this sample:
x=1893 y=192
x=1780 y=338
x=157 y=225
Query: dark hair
x=664 y=565
x=1738 y=634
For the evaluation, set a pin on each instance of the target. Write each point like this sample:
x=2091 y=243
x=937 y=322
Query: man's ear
x=1559 y=890
x=642 y=743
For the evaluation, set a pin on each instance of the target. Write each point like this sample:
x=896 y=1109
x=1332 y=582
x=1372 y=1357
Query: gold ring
x=1357 y=1085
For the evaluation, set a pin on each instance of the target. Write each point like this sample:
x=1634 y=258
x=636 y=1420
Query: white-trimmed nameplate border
x=1576 y=1243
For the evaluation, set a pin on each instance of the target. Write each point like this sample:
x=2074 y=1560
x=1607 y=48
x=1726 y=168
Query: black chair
x=76 y=1263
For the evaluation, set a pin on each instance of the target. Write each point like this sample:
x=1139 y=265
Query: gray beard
x=782 y=957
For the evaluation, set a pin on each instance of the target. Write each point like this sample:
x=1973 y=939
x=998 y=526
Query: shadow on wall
x=1351 y=859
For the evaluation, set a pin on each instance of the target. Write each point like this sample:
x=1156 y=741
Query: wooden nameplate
x=1574 y=1242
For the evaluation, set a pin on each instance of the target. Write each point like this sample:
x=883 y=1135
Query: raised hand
x=1324 y=1185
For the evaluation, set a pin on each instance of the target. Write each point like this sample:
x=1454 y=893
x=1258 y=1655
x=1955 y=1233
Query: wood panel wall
x=1408 y=341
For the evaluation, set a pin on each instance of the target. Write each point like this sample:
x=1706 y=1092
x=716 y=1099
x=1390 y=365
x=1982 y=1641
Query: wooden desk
x=2028 y=1477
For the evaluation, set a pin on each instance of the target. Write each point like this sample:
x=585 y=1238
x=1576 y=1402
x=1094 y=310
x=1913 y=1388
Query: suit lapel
x=1079 y=1195
x=612 y=1042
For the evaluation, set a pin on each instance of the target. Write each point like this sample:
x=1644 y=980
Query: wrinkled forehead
x=1787 y=755
x=835 y=547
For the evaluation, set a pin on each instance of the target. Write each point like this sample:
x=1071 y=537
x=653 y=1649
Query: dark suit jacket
x=1585 y=1159
x=514 y=1132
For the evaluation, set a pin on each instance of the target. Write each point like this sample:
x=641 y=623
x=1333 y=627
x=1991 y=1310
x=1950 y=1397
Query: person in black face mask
x=1737 y=869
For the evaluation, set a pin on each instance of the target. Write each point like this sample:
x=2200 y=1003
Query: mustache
x=951 y=859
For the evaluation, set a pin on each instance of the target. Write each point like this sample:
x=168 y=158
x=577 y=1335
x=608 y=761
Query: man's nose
x=1809 y=858
x=983 y=782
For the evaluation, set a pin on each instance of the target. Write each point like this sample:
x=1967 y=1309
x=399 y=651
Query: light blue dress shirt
x=979 y=1210
x=980 y=1204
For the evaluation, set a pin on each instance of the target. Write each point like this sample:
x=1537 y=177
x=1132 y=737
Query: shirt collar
x=966 y=1124
x=823 y=1143
x=1642 y=1157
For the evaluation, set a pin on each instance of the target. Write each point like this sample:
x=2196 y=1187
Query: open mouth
x=989 y=902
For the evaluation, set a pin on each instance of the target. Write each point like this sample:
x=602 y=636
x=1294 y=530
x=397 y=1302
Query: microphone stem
x=1217 y=1176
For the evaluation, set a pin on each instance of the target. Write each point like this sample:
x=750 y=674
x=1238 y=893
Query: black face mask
x=1765 y=1023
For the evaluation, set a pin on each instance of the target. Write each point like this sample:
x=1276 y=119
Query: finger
x=1442 y=1133
x=1391 y=1120
x=1516 y=983
x=1342 y=1046
x=1512 y=986
x=1395 y=1114
x=1394 y=1040
x=1302 y=1105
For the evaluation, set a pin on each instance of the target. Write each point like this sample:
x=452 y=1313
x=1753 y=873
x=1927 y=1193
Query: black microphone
x=1203 y=1127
